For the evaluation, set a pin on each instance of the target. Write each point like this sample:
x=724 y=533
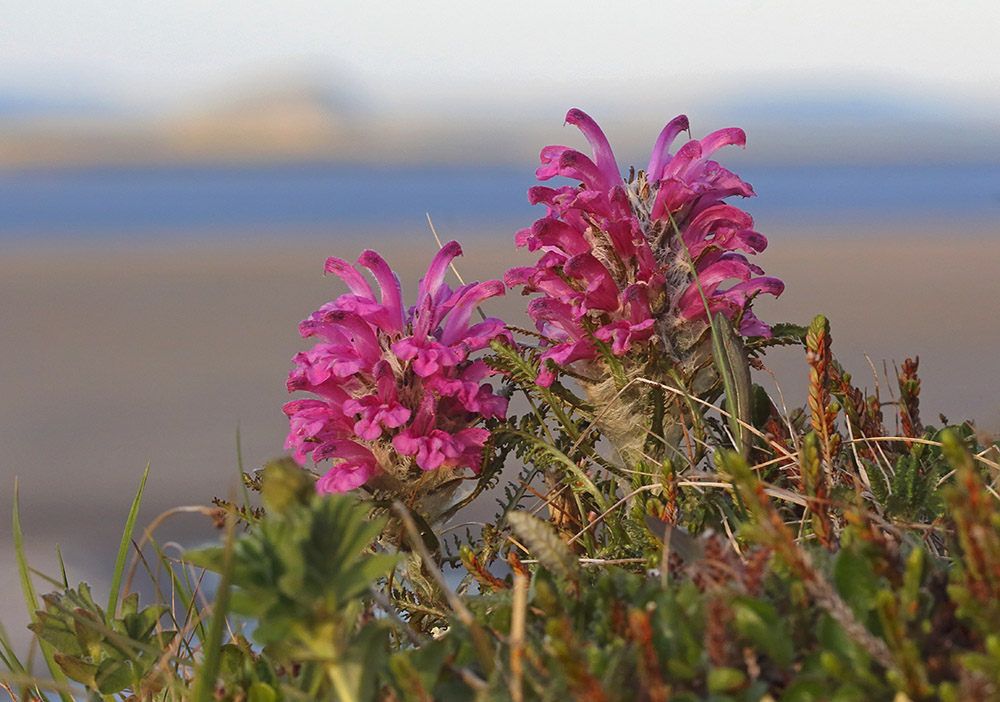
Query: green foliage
x=303 y=576
x=708 y=557
x=106 y=654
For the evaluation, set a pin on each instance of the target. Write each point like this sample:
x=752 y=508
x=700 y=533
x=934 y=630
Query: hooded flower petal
x=603 y=155
x=661 y=150
x=392 y=294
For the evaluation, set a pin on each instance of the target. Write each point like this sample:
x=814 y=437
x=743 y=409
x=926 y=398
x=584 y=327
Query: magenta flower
x=627 y=263
x=396 y=390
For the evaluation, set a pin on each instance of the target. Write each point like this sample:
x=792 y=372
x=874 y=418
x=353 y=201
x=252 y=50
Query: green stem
x=340 y=684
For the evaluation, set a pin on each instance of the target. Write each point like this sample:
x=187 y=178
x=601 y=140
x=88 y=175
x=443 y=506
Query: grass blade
x=62 y=568
x=7 y=654
x=123 y=549
x=204 y=690
x=30 y=599
x=239 y=465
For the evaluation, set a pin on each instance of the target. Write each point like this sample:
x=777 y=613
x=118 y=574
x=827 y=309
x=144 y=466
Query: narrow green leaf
x=7 y=655
x=27 y=587
x=30 y=598
x=731 y=361
x=123 y=548
x=204 y=688
x=182 y=589
x=62 y=568
x=239 y=466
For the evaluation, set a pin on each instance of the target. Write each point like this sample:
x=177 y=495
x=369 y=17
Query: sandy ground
x=114 y=357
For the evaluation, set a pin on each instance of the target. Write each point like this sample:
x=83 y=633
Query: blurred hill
x=299 y=118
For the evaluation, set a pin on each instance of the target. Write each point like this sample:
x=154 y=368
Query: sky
x=405 y=54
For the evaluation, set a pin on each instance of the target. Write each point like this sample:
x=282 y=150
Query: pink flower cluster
x=393 y=387
x=616 y=263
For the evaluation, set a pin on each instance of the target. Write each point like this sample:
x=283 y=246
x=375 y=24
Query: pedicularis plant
x=664 y=531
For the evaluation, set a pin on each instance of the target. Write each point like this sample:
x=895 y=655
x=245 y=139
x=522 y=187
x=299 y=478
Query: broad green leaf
x=76 y=668
x=856 y=582
x=261 y=692
x=725 y=679
x=86 y=634
x=113 y=676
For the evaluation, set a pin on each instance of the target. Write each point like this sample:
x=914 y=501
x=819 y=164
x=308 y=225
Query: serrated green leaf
x=572 y=470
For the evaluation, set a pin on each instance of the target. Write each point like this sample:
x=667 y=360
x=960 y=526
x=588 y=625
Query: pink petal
x=604 y=157
x=563 y=354
x=601 y=291
x=731 y=136
x=350 y=275
x=392 y=295
x=661 y=151
x=431 y=287
x=457 y=323
x=358 y=466
x=549 y=231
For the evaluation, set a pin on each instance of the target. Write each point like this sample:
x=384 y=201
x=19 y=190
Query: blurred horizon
x=848 y=82
x=306 y=115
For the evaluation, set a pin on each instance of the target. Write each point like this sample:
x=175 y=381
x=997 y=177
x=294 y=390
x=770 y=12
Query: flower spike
x=396 y=394
x=667 y=233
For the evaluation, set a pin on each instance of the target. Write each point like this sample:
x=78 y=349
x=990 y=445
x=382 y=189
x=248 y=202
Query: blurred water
x=126 y=203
